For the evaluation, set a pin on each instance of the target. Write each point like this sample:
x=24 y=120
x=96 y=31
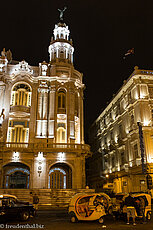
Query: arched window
x=21 y=95
x=62 y=100
x=76 y=104
x=61 y=133
x=18 y=131
x=62 y=54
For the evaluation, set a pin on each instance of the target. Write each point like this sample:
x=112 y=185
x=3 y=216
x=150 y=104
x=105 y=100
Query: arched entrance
x=60 y=176
x=16 y=176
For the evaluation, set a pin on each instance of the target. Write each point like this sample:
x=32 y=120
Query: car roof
x=7 y=196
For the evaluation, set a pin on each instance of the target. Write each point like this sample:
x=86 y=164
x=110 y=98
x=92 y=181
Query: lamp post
x=142 y=148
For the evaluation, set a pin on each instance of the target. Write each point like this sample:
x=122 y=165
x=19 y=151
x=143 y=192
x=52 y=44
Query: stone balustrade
x=20 y=108
x=45 y=147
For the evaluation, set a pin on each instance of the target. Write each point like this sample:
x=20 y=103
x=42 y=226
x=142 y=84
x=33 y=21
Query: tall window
x=122 y=159
x=113 y=161
x=61 y=99
x=18 y=131
x=61 y=133
x=120 y=131
x=76 y=104
x=135 y=148
x=150 y=88
x=132 y=120
x=21 y=95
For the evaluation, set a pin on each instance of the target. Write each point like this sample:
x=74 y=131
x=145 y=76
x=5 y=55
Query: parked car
x=89 y=207
x=10 y=206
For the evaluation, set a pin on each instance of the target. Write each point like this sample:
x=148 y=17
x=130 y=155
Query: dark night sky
x=102 y=31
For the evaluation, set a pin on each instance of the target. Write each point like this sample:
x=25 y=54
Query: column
x=2 y=92
x=39 y=173
x=78 y=173
x=1 y=176
x=45 y=112
x=70 y=114
x=51 y=116
x=21 y=97
x=39 y=113
x=81 y=118
x=83 y=173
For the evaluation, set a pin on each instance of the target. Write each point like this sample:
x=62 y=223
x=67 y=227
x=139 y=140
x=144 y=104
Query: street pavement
x=59 y=220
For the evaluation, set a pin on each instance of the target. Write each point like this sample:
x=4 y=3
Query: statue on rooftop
x=61 y=13
x=9 y=55
x=3 y=53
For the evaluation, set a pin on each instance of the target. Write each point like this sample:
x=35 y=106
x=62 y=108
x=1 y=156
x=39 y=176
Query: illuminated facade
x=41 y=120
x=115 y=139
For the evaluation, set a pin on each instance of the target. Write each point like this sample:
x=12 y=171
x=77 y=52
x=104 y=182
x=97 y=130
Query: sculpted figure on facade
x=2 y=116
x=3 y=53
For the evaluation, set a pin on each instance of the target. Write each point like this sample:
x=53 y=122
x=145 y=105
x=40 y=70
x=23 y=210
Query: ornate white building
x=115 y=140
x=41 y=122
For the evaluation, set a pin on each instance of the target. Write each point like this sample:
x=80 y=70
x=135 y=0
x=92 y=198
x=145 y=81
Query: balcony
x=135 y=162
x=44 y=147
x=19 y=109
x=61 y=110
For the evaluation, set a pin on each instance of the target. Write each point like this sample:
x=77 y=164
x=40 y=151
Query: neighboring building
x=41 y=120
x=115 y=140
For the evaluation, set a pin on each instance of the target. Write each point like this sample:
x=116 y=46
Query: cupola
x=61 y=46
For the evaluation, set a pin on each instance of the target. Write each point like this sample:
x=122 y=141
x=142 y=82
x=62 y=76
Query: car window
x=11 y=202
x=84 y=199
x=5 y=202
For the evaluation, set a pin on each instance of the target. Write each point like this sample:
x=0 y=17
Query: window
x=120 y=131
x=152 y=113
x=61 y=100
x=61 y=135
x=132 y=121
x=61 y=54
x=150 y=88
x=18 y=131
x=21 y=95
x=113 y=161
x=122 y=158
x=129 y=97
x=111 y=136
x=135 y=149
x=76 y=104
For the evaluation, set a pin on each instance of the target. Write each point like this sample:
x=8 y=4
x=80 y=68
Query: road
x=59 y=220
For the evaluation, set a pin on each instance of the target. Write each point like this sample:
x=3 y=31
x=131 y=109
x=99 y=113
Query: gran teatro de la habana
x=41 y=121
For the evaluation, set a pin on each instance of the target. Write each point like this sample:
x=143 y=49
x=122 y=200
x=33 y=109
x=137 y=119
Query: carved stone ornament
x=23 y=67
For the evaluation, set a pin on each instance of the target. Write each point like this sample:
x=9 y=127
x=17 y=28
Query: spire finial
x=61 y=13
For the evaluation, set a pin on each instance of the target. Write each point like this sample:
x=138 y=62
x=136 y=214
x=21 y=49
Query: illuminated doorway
x=16 y=176
x=60 y=177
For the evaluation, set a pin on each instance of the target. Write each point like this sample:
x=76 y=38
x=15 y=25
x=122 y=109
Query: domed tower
x=60 y=111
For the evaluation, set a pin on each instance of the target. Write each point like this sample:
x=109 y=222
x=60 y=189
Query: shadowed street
x=59 y=220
